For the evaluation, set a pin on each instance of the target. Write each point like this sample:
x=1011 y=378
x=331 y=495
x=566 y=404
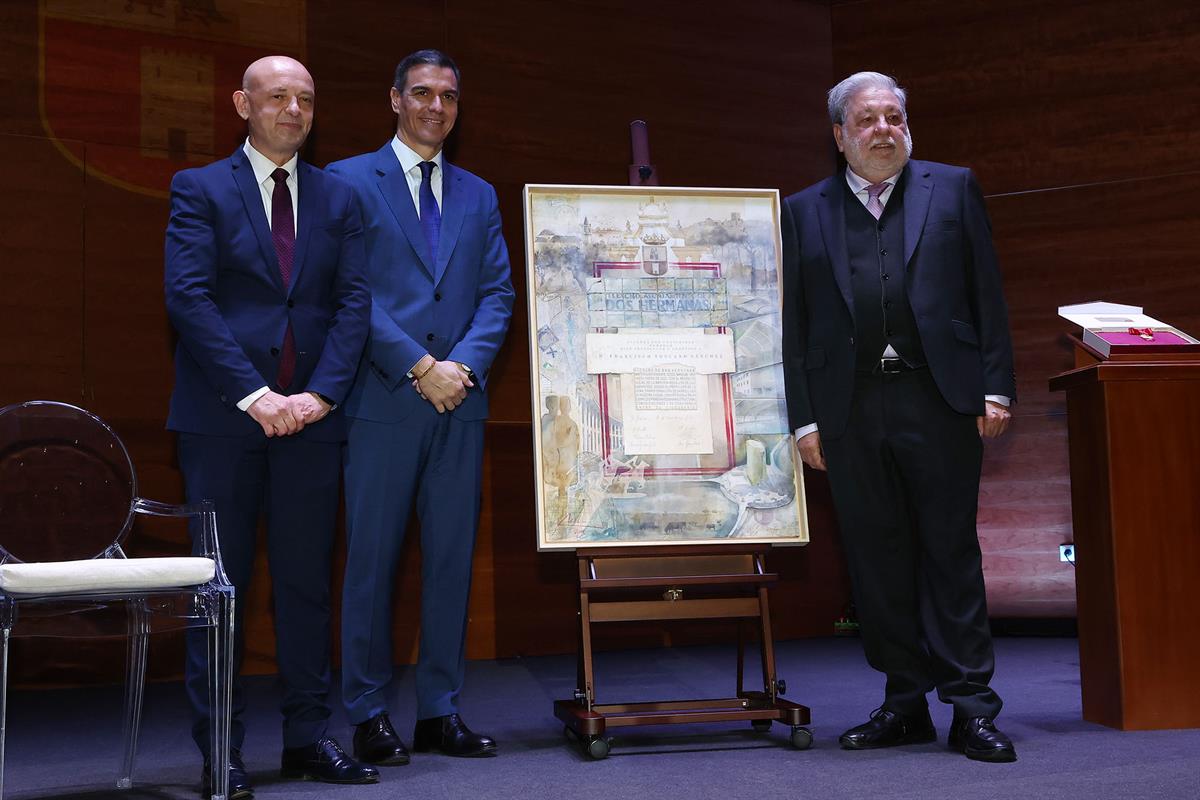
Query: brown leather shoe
x=450 y=735
x=889 y=729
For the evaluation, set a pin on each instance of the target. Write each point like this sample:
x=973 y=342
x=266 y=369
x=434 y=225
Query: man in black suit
x=897 y=361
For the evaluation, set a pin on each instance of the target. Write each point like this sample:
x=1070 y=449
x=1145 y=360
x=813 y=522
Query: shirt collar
x=859 y=184
x=263 y=166
x=409 y=158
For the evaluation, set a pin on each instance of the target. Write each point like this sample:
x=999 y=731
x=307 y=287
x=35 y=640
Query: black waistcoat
x=882 y=314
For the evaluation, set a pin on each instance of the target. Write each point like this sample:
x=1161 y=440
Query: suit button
x=852 y=341
x=437 y=298
x=883 y=252
x=274 y=351
x=291 y=303
x=429 y=337
x=887 y=303
x=886 y=276
x=889 y=333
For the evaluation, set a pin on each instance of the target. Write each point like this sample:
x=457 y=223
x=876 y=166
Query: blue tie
x=431 y=215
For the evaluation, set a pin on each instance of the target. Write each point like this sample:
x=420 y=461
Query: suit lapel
x=306 y=190
x=393 y=185
x=918 y=189
x=453 y=205
x=243 y=176
x=832 y=215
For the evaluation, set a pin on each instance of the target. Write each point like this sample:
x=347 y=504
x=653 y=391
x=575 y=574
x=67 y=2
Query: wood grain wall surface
x=1076 y=117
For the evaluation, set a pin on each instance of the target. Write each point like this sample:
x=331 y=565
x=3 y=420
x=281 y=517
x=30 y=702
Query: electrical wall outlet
x=1066 y=552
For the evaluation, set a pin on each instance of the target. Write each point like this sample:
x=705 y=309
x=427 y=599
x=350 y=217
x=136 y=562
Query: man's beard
x=859 y=151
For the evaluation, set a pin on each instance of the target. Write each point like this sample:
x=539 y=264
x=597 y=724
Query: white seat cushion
x=105 y=575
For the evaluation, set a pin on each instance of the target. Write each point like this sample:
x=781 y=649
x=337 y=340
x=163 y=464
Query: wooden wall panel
x=1033 y=94
x=1069 y=113
x=41 y=271
x=353 y=49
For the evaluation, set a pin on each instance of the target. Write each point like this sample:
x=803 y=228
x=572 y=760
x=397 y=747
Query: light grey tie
x=874 y=204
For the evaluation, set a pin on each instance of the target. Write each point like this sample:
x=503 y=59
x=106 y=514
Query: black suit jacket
x=953 y=282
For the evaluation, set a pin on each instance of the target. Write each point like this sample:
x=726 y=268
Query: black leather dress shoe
x=978 y=738
x=450 y=735
x=376 y=742
x=889 y=729
x=239 y=784
x=324 y=760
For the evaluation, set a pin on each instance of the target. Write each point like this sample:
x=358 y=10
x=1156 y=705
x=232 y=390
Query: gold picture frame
x=656 y=365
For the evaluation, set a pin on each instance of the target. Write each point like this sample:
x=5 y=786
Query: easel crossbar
x=643 y=610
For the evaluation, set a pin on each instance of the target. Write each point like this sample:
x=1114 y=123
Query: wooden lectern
x=1134 y=425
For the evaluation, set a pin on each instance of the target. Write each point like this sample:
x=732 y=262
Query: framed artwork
x=656 y=362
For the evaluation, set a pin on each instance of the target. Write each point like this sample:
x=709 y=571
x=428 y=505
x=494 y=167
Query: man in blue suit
x=442 y=298
x=265 y=286
x=897 y=361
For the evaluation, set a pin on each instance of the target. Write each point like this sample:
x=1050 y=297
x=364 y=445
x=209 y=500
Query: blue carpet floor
x=65 y=744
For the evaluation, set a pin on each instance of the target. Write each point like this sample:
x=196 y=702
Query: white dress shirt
x=410 y=162
x=859 y=187
x=263 y=167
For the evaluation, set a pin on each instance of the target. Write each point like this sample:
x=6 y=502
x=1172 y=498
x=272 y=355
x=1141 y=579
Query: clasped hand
x=281 y=415
x=444 y=384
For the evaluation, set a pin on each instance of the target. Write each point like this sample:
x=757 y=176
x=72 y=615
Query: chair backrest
x=67 y=484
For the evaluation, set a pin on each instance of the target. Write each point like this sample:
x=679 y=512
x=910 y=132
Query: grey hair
x=840 y=95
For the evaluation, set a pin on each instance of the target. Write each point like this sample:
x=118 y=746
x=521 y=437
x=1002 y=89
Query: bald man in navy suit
x=265 y=286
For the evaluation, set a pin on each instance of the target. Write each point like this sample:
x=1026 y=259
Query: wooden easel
x=632 y=584
x=645 y=584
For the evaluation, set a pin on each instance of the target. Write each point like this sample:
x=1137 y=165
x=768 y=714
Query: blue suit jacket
x=228 y=303
x=953 y=283
x=456 y=309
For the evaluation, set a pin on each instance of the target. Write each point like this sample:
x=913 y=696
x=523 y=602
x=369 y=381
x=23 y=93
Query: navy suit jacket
x=456 y=308
x=227 y=300
x=953 y=282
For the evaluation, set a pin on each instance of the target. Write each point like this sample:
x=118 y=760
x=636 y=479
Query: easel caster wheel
x=760 y=725
x=596 y=747
x=802 y=738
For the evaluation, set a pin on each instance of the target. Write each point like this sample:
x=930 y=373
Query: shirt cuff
x=247 y=401
x=806 y=430
x=999 y=399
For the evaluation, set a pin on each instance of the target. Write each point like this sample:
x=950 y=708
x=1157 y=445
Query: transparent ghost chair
x=68 y=502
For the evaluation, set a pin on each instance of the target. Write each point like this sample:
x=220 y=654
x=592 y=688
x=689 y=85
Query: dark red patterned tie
x=283 y=234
